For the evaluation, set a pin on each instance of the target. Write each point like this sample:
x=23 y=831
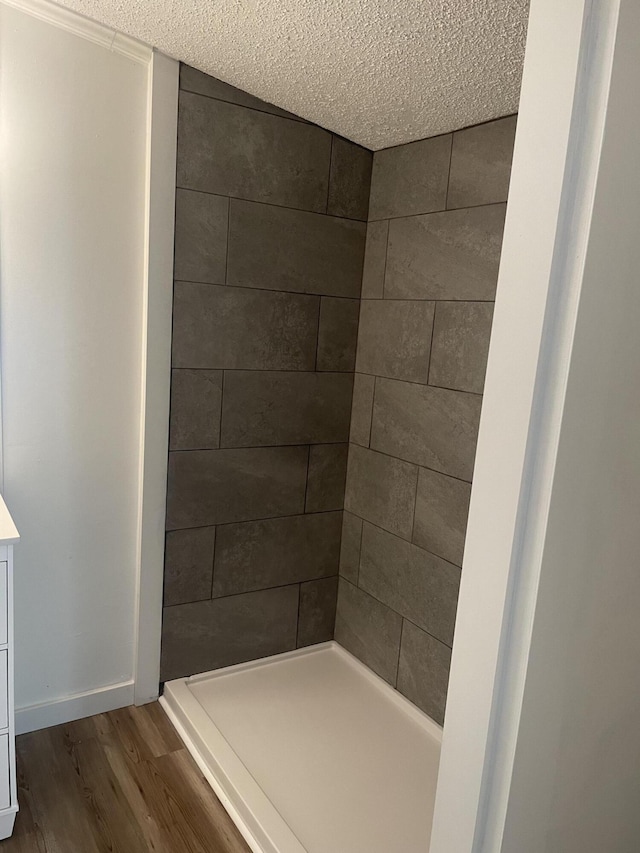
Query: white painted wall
x=72 y=278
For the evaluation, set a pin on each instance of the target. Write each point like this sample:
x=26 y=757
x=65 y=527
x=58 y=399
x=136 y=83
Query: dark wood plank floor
x=120 y=782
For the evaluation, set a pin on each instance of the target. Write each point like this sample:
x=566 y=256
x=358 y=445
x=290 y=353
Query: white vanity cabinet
x=8 y=787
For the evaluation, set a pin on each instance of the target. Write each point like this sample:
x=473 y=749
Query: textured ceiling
x=380 y=72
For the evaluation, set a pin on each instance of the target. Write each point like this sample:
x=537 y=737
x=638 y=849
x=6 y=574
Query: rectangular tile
x=196 y=400
x=433 y=427
x=293 y=250
x=188 y=565
x=350 y=547
x=279 y=551
x=416 y=584
x=237 y=328
x=362 y=409
x=229 y=150
x=368 y=630
x=481 y=163
x=350 y=179
x=337 y=334
x=461 y=335
x=450 y=255
x=410 y=178
x=202 y=222
x=327 y=477
x=381 y=489
x=423 y=672
x=375 y=259
x=219 y=486
x=192 y=80
x=317 y=616
x=261 y=408
x=442 y=508
x=394 y=339
x=206 y=635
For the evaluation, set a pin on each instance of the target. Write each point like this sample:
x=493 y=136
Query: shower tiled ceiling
x=380 y=72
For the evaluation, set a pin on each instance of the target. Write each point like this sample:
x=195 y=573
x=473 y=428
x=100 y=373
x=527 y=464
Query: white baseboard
x=75 y=707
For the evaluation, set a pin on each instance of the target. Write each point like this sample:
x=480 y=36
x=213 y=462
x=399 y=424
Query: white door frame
x=562 y=111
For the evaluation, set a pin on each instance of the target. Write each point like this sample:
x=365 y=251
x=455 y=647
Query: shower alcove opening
x=331 y=322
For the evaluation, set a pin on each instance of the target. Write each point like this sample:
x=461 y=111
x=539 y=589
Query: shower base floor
x=311 y=752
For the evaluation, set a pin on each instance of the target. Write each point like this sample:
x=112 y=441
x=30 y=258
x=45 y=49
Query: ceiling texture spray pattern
x=380 y=72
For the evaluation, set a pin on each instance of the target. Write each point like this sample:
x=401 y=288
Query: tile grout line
x=306 y=482
x=446 y=196
x=329 y=176
x=310 y=211
x=399 y=650
x=359 y=553
x=337 y=216
x=213 y=560
x=256 y=520
x=315 y=366
x=391 y=610
x=292 y=117
x=228 y=595
x=317 y=294
x=299 y=585
x=401 y=539
x=373 y=405
x=386 y=257
x=433 y=331
x=437 y=210
x=447 y=132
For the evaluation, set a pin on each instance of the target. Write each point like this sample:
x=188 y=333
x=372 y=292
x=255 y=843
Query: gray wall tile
x=242 y=153
x=461 y=334
x=433 y=427
x=450 y=255
x=279 y=551
x=188 y=565
x=317 y=611
x=227 y=327
x=206 y=635
x=350 y=547
x=196 y=400
x=394 y=339
x=350 y=179
x=267 y=408
x=281 y=249
x=337 y=334
x=369 y=630
x=481 y=163
x=218 y=486
x=327 y=477
x=375 y=259
x=192 y=80
x=201 y=236
x=410 y=178
x=423 y=673
x=362 y=409
x=442 y=508
x=381 y=489
x=419 y=586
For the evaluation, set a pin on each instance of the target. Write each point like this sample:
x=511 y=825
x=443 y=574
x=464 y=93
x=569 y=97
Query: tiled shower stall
x=331 y=323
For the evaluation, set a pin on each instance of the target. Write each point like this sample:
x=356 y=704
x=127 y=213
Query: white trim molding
x=58 y=711
x=84 y=27
x=162 y=130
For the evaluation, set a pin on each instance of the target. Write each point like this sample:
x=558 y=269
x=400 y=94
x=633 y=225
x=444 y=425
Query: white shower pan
x=311 y=752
